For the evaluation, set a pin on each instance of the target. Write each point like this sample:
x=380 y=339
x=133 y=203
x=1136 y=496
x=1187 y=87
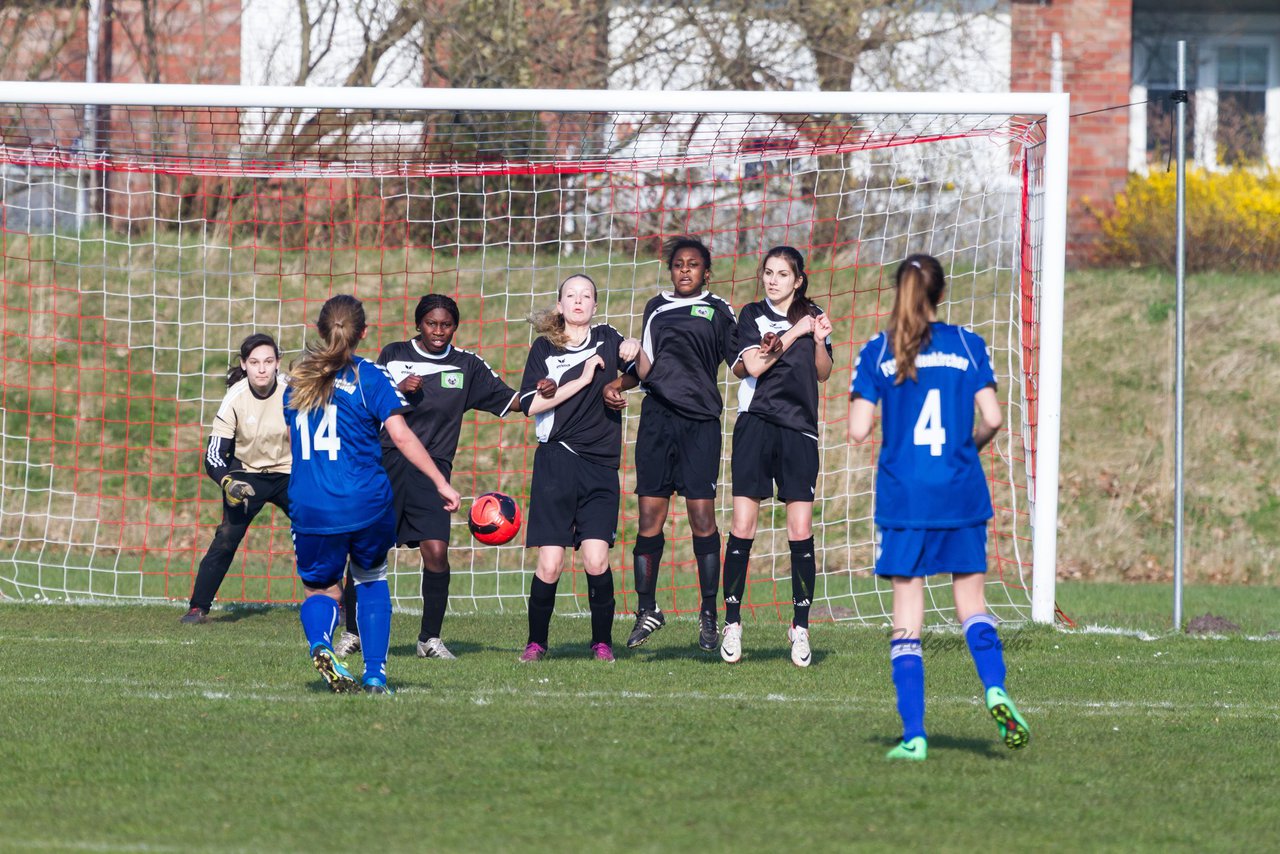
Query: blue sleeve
x=380 y=393
x=985 y=375
x=864 y=370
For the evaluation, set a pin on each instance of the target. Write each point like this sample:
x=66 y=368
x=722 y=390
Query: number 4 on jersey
x=326 y=436
x=929 y=430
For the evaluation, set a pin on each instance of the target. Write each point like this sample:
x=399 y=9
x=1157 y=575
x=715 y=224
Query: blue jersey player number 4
x=932 y=501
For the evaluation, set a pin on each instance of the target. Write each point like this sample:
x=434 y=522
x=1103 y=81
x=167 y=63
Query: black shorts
x=571 y=499
x=676 y=454
x=764 y=454
x=420 y=513
x=268 y=488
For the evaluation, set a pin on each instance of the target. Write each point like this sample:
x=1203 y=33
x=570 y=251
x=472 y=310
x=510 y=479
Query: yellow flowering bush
x=1233 y=221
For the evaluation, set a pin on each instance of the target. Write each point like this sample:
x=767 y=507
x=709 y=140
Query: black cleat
x=194 y=617
x=647 y=622
x=337 y=677
x=708 y=633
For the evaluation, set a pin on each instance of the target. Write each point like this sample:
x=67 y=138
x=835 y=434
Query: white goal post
x=146 y=229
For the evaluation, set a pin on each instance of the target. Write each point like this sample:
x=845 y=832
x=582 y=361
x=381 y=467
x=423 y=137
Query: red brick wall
x=1096 y=58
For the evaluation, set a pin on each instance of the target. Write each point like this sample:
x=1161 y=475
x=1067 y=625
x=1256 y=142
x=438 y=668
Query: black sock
x=646 y=556
x=706 y=552
x=804 y=573
x=600 y=599
x=349 y=605
x=737 y=557
x=435 y=601
x=542 y=602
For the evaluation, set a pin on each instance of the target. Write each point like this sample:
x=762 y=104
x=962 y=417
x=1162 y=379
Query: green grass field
x=125 y=731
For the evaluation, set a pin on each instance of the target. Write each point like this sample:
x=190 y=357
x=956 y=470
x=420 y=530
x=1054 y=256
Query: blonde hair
x=341 y=326
x=549 y=322
x=918 y=287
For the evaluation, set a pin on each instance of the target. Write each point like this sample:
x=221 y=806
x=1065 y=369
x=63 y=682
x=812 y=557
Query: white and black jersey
x=583 y=424
x=453 y=382
x=787 y=393
x=686 y=339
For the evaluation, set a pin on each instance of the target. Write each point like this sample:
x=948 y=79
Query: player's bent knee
x=368 y=576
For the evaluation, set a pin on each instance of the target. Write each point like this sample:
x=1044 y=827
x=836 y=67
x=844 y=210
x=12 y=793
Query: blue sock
x=373 y=616
x=908 y=678
x=319 y=615
x=985 y=647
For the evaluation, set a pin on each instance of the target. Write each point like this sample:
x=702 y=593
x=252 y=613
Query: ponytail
x=341 y=326
x=919 y=284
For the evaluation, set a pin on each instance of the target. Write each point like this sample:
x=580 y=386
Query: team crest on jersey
x=451 y=380
x=706 y=312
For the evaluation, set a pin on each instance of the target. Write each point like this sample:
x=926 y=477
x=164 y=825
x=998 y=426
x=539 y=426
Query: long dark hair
x=549 y=322
x=341 y=326
x=236 y=373
x=800 y=302
x=918 y=287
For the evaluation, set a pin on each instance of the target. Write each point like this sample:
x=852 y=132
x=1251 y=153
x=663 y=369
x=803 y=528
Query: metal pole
x=1179 y=394
x=89 y=133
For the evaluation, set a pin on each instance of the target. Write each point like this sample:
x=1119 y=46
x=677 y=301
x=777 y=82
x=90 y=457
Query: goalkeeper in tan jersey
x=248 y=457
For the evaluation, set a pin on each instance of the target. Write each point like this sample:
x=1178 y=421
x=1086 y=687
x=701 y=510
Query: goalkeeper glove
x=236 y=490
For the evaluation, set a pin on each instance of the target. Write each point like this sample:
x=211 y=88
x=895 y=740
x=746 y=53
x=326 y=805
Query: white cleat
x=347 y=644
x=435 y=648
x=801 y=655
x=731 y=642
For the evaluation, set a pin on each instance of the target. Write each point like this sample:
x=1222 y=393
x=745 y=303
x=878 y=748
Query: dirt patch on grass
x=1210 y=624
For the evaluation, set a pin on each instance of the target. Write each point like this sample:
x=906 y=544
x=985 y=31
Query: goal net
x=146 y=231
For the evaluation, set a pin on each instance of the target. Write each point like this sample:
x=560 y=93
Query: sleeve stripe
x=213 y=456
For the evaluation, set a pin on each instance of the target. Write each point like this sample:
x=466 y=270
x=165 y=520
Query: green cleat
x=336 y=676
x=917 y=749
x=1013 y=729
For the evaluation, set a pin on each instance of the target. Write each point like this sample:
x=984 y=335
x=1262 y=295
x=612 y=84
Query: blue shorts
x=322 y=558
x=919 y=552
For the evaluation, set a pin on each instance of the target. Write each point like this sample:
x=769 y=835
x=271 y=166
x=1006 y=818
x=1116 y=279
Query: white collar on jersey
x=426 y=355
x=700 y=296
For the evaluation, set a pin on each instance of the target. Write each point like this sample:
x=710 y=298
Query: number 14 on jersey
x=326 y=435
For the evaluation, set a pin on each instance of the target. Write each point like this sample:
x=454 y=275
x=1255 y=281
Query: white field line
x=188 y=690
x=83 y=845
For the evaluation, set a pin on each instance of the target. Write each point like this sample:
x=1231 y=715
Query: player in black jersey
x=574 y=493
x=687 y=334
x=441 y=383
x=785 y=347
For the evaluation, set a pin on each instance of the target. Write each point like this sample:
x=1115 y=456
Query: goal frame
x=1054 y=107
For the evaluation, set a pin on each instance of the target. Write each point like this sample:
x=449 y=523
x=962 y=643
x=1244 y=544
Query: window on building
x=1242 y=102
x=1159 y=74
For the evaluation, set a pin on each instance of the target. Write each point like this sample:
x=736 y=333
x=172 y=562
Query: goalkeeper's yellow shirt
x=256 y=425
